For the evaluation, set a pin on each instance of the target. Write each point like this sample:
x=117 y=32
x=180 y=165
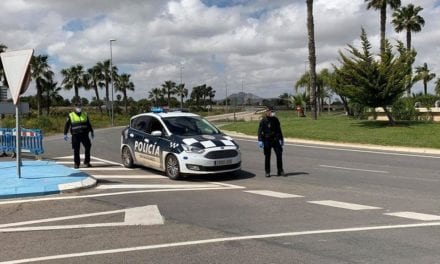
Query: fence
x=31 y=140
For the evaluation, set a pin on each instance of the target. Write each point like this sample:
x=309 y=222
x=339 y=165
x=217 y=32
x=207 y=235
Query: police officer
x=79 y=125
x=270 y=136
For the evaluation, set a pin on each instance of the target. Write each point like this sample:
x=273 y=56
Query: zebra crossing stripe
x=415 y=216
x=274 y=194
x=349 y=206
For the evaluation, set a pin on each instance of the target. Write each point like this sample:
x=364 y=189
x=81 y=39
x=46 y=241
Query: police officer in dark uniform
x=270 y=136
x=79 y=125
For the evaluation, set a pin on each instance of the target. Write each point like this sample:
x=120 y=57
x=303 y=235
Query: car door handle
x=131 y=135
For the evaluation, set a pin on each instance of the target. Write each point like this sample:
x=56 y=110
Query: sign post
x=16 y=65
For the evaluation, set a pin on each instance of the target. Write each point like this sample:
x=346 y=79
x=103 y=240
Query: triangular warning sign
x=17 y=71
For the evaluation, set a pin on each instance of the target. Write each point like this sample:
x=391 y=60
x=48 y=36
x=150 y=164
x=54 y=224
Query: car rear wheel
x=172 y=168
x=127 y=159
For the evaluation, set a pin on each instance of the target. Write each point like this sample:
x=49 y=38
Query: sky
x=255 y=46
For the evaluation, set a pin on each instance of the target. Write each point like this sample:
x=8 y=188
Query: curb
x=344 y=145
x=73 y=186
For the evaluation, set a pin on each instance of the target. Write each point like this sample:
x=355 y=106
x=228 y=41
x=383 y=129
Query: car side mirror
x=156 y=133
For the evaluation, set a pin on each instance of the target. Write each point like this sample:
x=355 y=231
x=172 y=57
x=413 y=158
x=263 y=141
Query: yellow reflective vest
x=79 y=123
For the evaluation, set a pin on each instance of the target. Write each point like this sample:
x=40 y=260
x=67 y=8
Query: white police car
x=178 y=143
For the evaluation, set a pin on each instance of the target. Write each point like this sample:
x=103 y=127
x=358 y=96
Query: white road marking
x=274 y=194
x=343 y=205
x=58 y=198
x=145 y=215
x=416 y=216
x=153 y=186
x=351 y=150
x=150 y=176
x=220 y=240
x=354 y=169
x=107 y=169
x=71 y=162
x=229 y=185
x=91 y=158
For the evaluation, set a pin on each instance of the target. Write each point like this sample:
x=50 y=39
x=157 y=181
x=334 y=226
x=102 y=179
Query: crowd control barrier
x=31 y=140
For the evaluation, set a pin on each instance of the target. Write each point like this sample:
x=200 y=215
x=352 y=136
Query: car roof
x=164 y=115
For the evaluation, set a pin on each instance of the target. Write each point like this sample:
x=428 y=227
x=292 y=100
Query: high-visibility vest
x=78 y=123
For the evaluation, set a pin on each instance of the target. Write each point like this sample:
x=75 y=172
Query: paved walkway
x=40 y=178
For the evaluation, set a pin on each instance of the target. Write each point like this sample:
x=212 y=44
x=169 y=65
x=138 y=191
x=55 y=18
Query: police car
x=178 y=143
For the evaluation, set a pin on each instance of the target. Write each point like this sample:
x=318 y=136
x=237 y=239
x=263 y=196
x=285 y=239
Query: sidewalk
x=40 y=178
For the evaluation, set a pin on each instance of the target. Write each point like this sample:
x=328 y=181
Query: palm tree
x=40 y=72
x=211 y=94
x=155 y=94
x=312 y=56
x=73 y=78
x=382 y=6
x=182 y=92
x=169 y=88
x=104 y=67
x=51 y=88
x=424 y=74
x=95 y=82
x=407 y=18
x=123 y=84
x=437 y=86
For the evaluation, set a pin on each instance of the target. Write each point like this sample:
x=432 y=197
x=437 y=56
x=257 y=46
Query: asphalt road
x=335 y=206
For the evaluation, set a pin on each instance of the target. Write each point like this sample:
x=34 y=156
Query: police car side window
x=155 y=125
x=141 y=123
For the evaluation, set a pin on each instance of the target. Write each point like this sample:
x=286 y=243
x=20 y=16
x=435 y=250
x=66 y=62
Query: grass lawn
x=340 y=128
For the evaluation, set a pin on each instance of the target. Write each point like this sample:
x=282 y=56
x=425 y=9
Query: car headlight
x=192 y=149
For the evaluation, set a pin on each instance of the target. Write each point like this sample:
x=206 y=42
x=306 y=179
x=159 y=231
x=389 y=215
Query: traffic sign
x=17 y=71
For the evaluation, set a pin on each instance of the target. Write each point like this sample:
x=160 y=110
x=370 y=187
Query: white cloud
x=260 y=42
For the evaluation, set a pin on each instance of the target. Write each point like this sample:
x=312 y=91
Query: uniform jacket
x=78 y=124
x=270 y=129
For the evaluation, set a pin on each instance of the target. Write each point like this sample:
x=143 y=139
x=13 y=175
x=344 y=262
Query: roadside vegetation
x=341 y=128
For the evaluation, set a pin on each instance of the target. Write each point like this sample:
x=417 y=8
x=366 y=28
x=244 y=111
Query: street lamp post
x=111 y=79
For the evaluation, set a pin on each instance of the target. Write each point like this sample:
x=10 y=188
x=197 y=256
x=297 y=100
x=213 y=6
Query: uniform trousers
x=268 y=145
x=77 y=139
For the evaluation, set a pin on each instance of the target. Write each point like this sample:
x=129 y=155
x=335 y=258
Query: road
x=335 y=206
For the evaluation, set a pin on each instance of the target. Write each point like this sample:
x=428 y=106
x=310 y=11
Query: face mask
x=272 y=114
x=78 y=109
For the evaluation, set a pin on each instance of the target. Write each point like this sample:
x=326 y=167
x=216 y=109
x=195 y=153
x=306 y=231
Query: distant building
x=3 y=93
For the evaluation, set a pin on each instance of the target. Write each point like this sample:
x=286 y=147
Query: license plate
x=222 y=162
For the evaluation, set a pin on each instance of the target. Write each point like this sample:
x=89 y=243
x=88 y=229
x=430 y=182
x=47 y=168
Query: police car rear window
x=189 y=126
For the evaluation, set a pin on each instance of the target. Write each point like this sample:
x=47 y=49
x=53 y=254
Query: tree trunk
x=390 y=117
x=312 y=57
x=383 y=21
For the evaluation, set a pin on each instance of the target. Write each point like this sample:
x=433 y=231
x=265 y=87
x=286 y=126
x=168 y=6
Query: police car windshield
x=189 y=126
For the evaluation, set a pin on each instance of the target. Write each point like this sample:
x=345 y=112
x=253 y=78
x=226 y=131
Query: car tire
x=127 y=158
x=172 y=168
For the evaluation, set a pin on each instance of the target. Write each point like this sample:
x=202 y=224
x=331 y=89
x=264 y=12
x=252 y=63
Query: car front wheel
x=127 y=159
x=172 y=168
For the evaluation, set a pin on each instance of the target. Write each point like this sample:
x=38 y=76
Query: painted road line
x=220 y=240
x=92 y=158
x=353 y=169
x=71 y=162
x=416 y=216
x=59 y=198
x=350 y=206
x=145 y=215
x=232 y=186
x=152 y=186
x=152 y=176
x=107 y=169
x=274 y=194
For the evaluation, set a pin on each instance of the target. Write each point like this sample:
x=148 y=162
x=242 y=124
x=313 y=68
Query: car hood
x=206 y=141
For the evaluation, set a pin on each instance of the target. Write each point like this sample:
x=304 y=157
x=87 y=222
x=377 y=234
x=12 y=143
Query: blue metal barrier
x=6 y=139
x=31 y=140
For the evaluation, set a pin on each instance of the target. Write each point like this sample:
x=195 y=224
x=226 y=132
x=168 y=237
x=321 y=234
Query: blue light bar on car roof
x=157 y=109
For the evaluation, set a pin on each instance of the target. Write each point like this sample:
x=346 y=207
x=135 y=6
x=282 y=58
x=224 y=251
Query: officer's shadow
x=296 y=173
